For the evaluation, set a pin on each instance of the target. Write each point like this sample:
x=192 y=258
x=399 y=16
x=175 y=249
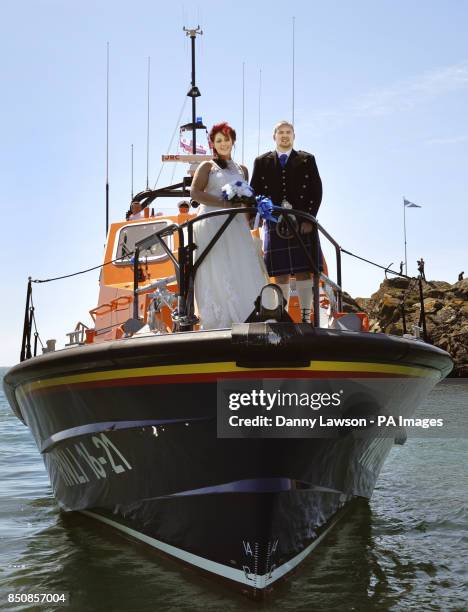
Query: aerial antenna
x=183 y=21
x=148 y=124
x=293 y=67
x=193 y=92
x=259 y=108
x=131 y=158
x=107 y=141
x=200 y=20
x=243 y=109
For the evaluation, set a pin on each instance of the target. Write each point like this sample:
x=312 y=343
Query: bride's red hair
x=225 y=129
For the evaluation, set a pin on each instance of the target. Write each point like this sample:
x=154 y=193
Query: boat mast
x=243 y=109
x=293 y=66
x=259 y=108
x=131 y=171
x=194 y=92
x=107 y=141
x=148 y=124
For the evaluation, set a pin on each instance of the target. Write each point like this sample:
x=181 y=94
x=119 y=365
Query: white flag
x=409 y=204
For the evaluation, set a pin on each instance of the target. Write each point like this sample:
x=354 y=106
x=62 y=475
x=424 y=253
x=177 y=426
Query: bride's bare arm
x=199 y=183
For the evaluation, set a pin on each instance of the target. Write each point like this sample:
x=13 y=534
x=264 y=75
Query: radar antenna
x=193 y=92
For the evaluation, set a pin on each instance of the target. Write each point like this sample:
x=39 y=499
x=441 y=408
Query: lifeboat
x=131 y=417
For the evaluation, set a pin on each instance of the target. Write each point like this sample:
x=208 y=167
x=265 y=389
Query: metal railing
x=186 y=265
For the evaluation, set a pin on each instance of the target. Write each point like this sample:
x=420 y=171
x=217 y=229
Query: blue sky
x=381 y=100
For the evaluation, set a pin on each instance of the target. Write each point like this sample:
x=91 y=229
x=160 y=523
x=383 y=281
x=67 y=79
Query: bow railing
x=186 y=265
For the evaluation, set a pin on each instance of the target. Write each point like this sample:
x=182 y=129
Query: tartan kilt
x=286 y=256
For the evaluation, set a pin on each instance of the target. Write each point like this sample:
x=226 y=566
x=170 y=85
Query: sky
x=381 y=100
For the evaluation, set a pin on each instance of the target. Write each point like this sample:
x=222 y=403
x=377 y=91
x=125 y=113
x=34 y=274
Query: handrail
x=186 y=268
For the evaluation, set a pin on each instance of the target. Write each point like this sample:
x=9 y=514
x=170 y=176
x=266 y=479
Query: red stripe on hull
x=168 y=379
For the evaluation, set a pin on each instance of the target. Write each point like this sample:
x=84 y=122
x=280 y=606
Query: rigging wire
x=174 y=167
x=243 y=109
x=386 y=268
x=148 y=123
x=33 y=310
x=48 y=280
x=132 y=172
x=259 y=108
x=172 y=139
x=200 y=23
x=107 y=140
x=293 y=65
x=184 y=21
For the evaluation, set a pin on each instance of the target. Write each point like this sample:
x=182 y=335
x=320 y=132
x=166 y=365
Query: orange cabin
x=115 y=302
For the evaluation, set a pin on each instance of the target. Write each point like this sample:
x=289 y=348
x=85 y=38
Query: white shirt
x=288 y=153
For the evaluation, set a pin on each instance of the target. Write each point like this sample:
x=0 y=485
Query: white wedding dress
x=233 y=273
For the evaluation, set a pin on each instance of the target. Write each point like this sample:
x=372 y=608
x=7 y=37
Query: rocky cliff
x=446 y=308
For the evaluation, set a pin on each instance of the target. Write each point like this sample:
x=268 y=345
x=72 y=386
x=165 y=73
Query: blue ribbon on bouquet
x=265 y=210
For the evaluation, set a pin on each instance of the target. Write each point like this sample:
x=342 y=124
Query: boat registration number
x=77 y=464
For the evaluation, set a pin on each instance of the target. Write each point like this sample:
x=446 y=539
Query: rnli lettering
x=78 y=465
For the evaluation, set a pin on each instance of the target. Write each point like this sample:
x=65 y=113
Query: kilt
x=286 y=256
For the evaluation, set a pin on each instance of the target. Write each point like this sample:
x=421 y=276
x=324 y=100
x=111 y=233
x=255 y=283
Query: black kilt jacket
x=300 y=185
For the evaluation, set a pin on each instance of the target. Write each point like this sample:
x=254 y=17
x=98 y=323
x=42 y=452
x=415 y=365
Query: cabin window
x=130 y=234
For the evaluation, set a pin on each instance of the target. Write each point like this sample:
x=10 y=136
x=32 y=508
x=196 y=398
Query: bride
x=232 y=274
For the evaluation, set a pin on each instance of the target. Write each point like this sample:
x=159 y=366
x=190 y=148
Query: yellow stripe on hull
x=229 y=367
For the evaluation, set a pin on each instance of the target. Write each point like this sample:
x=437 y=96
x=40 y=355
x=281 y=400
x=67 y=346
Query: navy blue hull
x=140 y=451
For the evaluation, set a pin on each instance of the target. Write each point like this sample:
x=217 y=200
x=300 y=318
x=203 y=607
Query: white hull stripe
x=250 y=580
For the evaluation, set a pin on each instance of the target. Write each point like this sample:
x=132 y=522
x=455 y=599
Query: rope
x=34 y=321
x=386 y=268
x=48 y=280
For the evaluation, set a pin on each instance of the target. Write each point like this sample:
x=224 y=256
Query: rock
x=364 y=303
x=432 y=305
x=349 y=304
x=439 y=285
x=445 y=305
x=388 y=301
x=460 y=289
x=447 y=315
x=396 y=282
x=435 y=293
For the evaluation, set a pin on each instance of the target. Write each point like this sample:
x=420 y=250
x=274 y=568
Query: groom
x=291 y=179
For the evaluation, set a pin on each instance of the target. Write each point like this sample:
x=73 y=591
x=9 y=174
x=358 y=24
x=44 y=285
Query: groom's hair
x=280 y=124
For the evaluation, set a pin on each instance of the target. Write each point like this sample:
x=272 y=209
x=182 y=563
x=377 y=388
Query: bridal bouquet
x=239 y=192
